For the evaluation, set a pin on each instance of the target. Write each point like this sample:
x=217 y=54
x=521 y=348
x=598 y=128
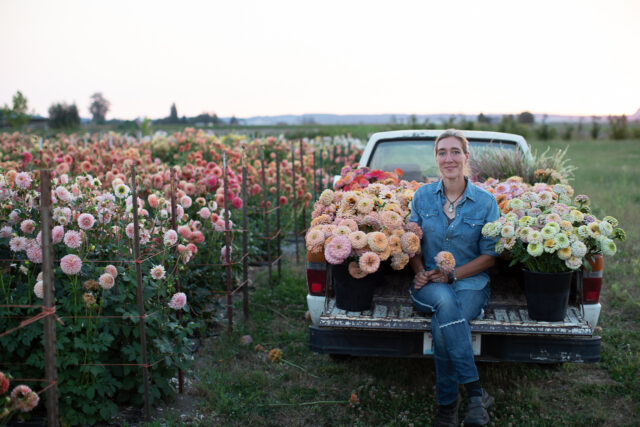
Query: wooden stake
x=267 y=236
x=227 y=242
x=50 y=362
x=245 y=240
x=140 y=294
x=176 y=275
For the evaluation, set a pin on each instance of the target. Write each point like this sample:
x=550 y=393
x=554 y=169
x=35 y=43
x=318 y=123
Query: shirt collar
x=469 y=192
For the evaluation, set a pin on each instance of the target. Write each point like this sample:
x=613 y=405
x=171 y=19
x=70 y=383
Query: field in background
x=238 y=385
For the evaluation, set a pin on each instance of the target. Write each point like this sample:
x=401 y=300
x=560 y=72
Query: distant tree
x=618 y=128
x=579 y=128
x=233 y=121
x=393 y=120
x=99 y=107
x=595 y=127
x=173 y=115
x=484 y=119
x=413 y=121
x=16 y=116
x=216 y=120
x=544 y=131
x=568 y=132
x=450 y=122
x=64 y=116
x=526 y=118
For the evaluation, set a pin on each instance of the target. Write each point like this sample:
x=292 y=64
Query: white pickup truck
x=393 y=328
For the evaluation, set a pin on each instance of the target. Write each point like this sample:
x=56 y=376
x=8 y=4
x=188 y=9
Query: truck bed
x=506 y=312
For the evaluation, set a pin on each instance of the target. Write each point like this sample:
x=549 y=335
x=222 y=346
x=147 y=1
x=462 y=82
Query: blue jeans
x=453 y=351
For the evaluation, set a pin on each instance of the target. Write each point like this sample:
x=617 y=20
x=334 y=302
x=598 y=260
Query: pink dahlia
x=369 y=262
x=73 y=239
x=57 y=234
x=178 y=301
x=445 y=262
x=236 y=203
x=38 y=290
x=399 y=261
x=353 y=226
x=415 y=228
x=410 y=243
x=18 y=244
x=157 y=272
x=112 y=270
x=86 y=221
x=24 y=399
x=27 y=226
x=186 y=202
x=106 y=281
x=391 y=219
x=355 y=271
x=23 y=180
x=4 y=383
x=170 y=238
x=314 y=237
x=71 y=264
x=34 y=253
x=224 y=253
x=5 y=232
x=63 y=194
x=358 y=239
x=204 y=213
x=338 y=249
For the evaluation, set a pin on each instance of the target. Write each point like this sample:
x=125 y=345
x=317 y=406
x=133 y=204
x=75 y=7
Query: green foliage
x=99 y=107
x=17 y=115
x=526 y=118
x=595 y=128
x=618 y=128
x=64 y=116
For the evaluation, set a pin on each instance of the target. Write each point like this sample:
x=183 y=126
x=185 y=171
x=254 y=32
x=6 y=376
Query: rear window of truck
x=415 y=156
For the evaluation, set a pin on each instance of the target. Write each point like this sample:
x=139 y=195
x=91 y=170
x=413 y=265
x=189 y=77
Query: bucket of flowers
x=358 y=229
x=551 y=237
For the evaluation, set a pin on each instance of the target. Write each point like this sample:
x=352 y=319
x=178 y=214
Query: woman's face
x=451 y=158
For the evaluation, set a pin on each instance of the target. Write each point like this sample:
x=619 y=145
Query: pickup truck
x=393 y=328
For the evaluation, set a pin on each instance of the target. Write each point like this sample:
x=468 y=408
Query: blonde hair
x=457 y=134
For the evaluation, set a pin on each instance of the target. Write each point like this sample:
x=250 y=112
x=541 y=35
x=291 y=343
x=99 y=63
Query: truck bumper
x=494 y=348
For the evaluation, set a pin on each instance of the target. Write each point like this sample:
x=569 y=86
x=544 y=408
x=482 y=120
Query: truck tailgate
x=506 y=313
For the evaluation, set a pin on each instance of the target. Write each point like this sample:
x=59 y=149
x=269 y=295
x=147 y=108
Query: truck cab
x=393 y=328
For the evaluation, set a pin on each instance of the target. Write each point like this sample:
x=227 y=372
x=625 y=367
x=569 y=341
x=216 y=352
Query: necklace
x=450 y=209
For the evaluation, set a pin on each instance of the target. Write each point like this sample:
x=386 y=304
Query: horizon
x=252 y=59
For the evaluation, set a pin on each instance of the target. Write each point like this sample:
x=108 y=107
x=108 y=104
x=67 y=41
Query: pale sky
x=271 y=57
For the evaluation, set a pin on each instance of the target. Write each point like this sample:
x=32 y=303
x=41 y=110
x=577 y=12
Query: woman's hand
x=421 y=279
x=438 y=276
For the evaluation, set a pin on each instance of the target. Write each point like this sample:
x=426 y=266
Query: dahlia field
x=98 y=344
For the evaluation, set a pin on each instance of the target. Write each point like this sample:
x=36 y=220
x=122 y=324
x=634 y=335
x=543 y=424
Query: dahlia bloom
x=377 y=241
x=170 y=238
x=71 y=264
x=23 y=180
x=369 y=262
x=410 y=243
x=355 y=271
x=399 y=261
x=314 y=237
x=106 y=281
x=34 y=253
x=38 y=290
x=73 y=239
x=27 y=226
x=157 y=272
x=24 y=399
x=112 y=270
x=57 y=234
x=4 y=383
x=86 y=221
x=445 y=262
x=18 y=244
x=337 y=250
x=178 y=301
x=358 y=239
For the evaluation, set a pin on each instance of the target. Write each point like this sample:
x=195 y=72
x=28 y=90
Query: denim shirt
x=463 y=237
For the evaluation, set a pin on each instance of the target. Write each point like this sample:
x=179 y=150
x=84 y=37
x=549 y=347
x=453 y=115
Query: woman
x=451 y=213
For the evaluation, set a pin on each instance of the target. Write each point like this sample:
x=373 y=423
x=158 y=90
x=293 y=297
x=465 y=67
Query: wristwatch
x=452 y=277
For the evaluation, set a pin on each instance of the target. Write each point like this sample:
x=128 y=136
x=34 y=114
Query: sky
x=248 y=58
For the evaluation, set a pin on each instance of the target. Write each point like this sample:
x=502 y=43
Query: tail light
x=592 y=281
x=316 y=278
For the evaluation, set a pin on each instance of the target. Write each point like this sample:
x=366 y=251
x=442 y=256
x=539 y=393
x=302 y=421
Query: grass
x=237 y=385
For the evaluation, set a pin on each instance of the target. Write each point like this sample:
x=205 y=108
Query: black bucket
x=547 y=294
x=353 y=294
